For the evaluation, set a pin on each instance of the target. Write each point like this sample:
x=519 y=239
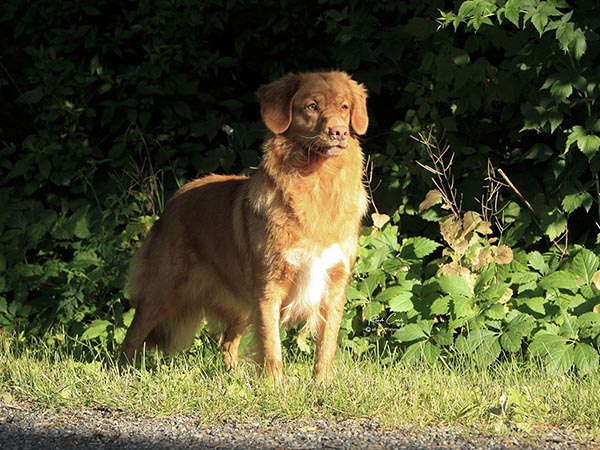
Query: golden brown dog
x=277 y=248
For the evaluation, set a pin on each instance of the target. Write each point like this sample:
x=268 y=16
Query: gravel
x=25 y=426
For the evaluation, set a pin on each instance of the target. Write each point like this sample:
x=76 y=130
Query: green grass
x=508 y=397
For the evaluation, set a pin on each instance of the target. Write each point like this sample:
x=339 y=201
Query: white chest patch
x=311 y=283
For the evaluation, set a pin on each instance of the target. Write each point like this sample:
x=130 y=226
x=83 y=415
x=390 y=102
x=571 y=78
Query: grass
x=507 y=397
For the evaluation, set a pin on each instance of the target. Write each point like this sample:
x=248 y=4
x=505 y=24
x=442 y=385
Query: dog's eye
x=345 y=106
x=312 y=106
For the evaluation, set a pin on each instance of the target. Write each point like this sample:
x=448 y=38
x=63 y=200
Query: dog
x=269 y=250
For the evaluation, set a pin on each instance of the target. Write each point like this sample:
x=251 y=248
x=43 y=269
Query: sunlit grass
x=509 y=396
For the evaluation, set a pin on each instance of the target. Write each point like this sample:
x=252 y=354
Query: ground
x=25 y=426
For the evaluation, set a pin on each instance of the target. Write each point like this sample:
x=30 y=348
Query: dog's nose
x=339 y=132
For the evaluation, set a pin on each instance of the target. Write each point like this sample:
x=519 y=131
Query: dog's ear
x=359 y=119
x=276 y=100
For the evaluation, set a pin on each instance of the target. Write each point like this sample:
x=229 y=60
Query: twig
x=562 y=249
x=369 y=167
x=491 y=198
x=442 y=171
x=523 y=199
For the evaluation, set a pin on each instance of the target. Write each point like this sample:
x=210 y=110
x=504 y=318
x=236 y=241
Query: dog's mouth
x=330 y=149
x=334 y=150
x=323 y=145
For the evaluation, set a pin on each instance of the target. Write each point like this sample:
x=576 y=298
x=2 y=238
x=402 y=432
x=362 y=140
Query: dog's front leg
x=327 y=334
x=328 y=327
x=267 y=331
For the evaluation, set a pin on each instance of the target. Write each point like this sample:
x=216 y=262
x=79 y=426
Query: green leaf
x=578 y=44
x=476 y=13
x=521 y=323
x=45 y=166
x=127 y=317
x=430 y=352
x=440 y=306
x=398 y=298
x=586 y=358
x=555 y=350
x=511 y=341
x=96 y=329
x=589 y=323
x=495 y=312
x=576 y=132
x=119 y=335
x=355 y=294
x=77 y=223
x=393 y=266
x=183 y=110
x=524 y=280
x=585 y=264
x=419 y=246
x=466 y=9
x=511 y=11
x=409 y=332
x=462 y=59
x=561 y=279
x=536 y=304
x=555 y=119
x=402 y=303
x=372 y=310
x=572 y=202
x=303 y=343
x=539 y=21
x=589 y=326
x=588 y=145
x=455 y=286
x=569 y=327
x=483 y=344
x=540 y=152
x=442 y=337
x=32 y=97
x=561 y=89
x=565 y=33
x=586 y=142
x=463 y=307
x=85 y=259
x=554 y=224
x=497 y=292
x=377 y=257
x=95 y=66
x=421 y=351
x=536 y=261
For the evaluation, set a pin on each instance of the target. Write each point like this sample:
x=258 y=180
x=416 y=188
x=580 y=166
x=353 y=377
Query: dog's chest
x=310 y=281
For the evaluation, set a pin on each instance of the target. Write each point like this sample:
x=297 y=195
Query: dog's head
x=320 y=111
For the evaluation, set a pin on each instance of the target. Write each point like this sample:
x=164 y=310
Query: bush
x=111 y=107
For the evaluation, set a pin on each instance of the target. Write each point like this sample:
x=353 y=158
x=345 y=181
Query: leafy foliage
x=112 y=106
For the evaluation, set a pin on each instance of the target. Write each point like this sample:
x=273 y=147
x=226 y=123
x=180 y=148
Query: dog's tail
x=166 y=317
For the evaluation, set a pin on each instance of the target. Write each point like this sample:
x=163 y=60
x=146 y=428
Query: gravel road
x=27 y=427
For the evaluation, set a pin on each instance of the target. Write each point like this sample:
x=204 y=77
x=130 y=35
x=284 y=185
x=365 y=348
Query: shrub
x=111 y=107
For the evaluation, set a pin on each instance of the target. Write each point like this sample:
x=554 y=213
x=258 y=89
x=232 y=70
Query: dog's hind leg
x=144 y=321
x=230 y=342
